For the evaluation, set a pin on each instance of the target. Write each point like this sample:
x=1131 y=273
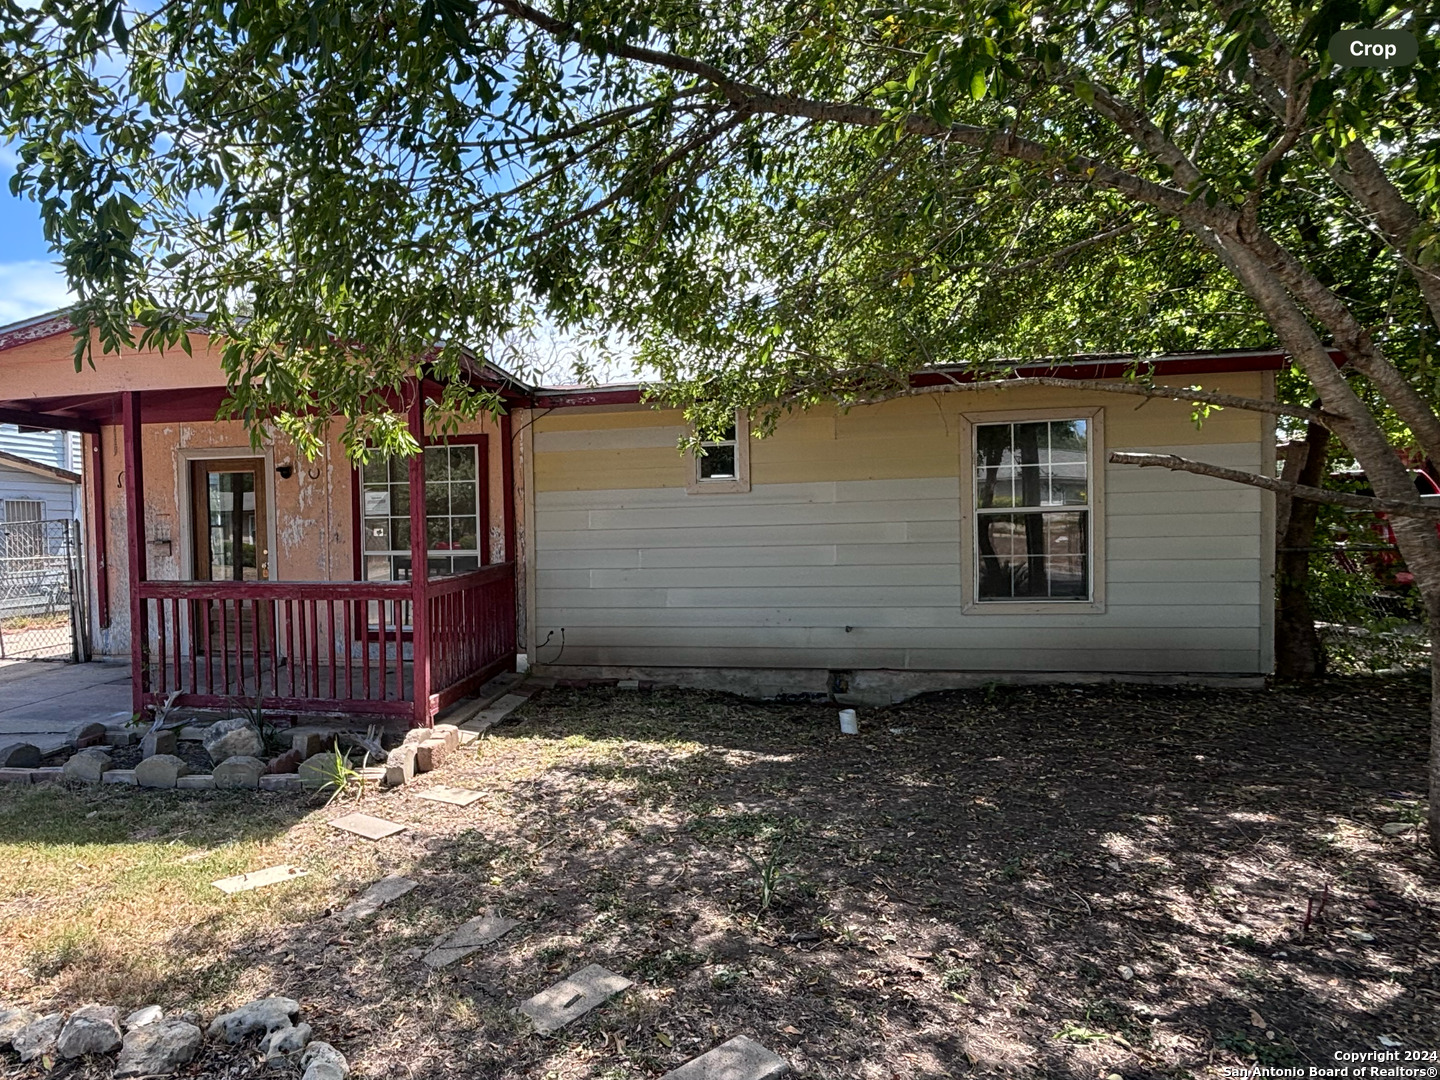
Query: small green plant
x=955 y=977
x=340 y=777
x=723 y=978
x=771 y=874
x=1072 y=1031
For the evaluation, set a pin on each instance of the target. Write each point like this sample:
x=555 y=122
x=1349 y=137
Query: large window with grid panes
x=1033 y=503
x=452 y=513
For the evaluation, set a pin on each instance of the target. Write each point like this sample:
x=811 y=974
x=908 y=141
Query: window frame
x=741 y=484
x=971 y=603
x=481 y=442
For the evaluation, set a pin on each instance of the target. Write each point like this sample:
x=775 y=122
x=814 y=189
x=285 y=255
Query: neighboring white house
x=50 y=492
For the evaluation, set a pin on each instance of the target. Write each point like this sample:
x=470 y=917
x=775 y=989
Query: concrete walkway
x=41 y=700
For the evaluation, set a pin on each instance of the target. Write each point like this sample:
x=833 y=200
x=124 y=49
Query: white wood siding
x=867 y=574
x=60 y=500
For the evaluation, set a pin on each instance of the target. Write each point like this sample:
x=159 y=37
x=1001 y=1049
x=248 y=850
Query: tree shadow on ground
x=1047 y=881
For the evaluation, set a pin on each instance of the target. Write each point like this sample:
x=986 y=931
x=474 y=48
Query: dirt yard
x=1051 y=882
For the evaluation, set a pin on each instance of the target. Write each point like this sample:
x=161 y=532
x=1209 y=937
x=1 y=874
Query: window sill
x=1033 y=607
x=718 y=487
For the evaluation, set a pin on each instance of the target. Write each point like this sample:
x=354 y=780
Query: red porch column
x=135 y=547
x=419 y=565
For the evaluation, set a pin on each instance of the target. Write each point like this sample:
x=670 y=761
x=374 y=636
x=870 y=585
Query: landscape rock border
x=423 y=750
x=148 y=1042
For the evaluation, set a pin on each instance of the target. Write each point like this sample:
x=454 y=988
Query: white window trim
x=741 y=484
x=1095 y=462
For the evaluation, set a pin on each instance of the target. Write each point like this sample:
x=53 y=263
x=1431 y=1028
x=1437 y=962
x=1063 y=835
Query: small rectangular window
x=1032 y=511
x=722 y=464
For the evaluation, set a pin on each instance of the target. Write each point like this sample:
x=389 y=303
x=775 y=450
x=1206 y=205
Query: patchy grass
x=1059 y=882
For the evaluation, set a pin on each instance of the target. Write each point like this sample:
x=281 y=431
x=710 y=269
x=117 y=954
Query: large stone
x=160 y=771
x=89 y=733
x=738 y=1059
x=431 y=753
x=158 y=1049
x=140 y=1017
x=159 y=742
x=235 y=737
x=450 y=733
x=88 y=766
x=19 y=755
x=282 y=1044
x=400 y=765
x=13 y=1020
x=311 y=741
x=257 y=1018
x=323 y=1062
x=316 y=772
x=571 y=998
x=286 y=763
x=37 y=1038
x=91 y=1029
x=239 y=772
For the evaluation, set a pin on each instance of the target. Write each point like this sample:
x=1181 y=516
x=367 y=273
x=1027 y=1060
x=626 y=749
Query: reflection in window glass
x=1032 y=515
x=452 y=512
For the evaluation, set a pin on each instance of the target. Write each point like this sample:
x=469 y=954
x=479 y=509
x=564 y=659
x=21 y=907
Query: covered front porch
x=228 y=572
x=404 y=648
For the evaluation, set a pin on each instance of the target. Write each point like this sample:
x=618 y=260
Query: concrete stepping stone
x=489 y=717
x=385 y=891
x=467 y=938
x=257 y=879
x=738 y=1059
x=455 y=796
x=572 y=997
x=371 y=828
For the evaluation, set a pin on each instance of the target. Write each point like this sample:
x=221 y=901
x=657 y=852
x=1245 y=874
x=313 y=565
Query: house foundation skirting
x=876 y=686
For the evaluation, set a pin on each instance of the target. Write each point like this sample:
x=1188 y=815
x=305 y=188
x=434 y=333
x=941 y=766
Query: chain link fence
x=42 y=583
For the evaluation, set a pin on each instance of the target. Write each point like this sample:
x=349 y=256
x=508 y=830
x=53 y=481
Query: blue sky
x=30 y=282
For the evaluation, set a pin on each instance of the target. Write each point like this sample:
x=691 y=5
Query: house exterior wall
x=312 y=518
x=60 y=449
x=847 y=551
x=58 y=499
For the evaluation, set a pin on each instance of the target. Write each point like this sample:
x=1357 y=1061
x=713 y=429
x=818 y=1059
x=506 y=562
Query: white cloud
x=31 y=288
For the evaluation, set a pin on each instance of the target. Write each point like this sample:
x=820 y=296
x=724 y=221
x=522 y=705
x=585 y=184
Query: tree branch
x=1295 y=491
x=1171 y=393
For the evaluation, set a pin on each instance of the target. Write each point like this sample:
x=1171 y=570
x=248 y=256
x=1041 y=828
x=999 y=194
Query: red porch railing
x=335 y=646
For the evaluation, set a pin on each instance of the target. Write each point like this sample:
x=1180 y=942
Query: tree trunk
x=1298 y=653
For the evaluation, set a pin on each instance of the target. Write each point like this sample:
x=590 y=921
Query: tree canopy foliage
x=338 y=187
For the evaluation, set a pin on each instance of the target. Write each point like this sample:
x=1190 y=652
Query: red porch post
x=102 y=545
x=135 y=546
x=419 y=566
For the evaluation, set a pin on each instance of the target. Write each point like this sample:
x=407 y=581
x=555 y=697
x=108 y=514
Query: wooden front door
x=231 y=531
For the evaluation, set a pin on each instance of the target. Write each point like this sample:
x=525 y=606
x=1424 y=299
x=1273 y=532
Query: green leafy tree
x=772 y=204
